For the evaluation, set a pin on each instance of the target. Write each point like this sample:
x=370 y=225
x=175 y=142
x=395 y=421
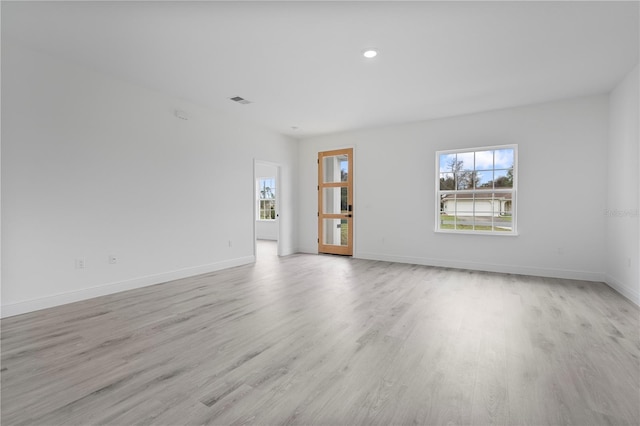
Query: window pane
x=267 y=188
x=465 y=180
x=503 y=220
x=484 y=180
x=335 y=168
x=447 y=181
x=267 y=209
x=465 y=160
x=447 y=211
x=483 y=212
x=503 y=204
x=335 y=200
x=504 y=158
x=484 y=160
x=503 y=224
x=336 y=232
x=503 y=179
x=447 y=163
x=464 y=211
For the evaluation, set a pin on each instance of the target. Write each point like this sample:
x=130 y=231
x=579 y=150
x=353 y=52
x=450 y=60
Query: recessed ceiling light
x=370 y=53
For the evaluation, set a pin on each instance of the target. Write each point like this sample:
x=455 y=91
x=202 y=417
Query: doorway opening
x=267 y=192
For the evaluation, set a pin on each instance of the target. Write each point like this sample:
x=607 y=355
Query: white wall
x=561 y=193
x=622 y=218
x=93 y=166
x=267 y=229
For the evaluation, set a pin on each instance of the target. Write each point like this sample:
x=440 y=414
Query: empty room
x=320 y=213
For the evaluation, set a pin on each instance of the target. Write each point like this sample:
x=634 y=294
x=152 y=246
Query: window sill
x=492 y=234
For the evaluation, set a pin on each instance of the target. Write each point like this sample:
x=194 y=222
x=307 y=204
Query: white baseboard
x=477 y=266
x=286 y=251
x=18 y=308
x=632 y=294
x=23 y=307
x=308 y=250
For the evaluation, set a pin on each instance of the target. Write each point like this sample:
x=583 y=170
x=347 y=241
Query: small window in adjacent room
x=476 y=190
x=267 y=199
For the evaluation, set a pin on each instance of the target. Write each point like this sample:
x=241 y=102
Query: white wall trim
x=23 y=307
x=632 y=295
x=488 y=267
x=310 y=250
x=287 y=251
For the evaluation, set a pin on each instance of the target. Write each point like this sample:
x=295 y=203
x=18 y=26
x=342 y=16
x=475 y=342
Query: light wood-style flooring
x=330 y=340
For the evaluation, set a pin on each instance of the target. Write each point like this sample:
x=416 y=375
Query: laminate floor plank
x=329 y=340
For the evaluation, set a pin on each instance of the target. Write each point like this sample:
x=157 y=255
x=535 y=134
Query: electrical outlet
x=81 y=264
x=112 y=259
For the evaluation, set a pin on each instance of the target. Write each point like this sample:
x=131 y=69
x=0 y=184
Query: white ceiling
x=301 y=64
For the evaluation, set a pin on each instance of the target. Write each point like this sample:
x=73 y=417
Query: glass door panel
x=335 y=200
x=336 y=232
x=335 y=168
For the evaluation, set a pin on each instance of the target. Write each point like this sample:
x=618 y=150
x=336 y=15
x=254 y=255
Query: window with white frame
x=267 y=198
x=476 y=190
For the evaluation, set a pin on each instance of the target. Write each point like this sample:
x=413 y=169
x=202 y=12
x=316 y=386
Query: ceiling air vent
x=240 y=100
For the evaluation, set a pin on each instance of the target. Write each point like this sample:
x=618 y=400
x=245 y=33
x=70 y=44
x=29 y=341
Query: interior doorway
x=267 y=190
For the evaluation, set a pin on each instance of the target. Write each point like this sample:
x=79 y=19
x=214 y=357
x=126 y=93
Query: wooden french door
x=335 y=202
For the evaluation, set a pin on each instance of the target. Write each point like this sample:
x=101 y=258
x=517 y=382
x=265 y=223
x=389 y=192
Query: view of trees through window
x=476 y=189
x=267 y=199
